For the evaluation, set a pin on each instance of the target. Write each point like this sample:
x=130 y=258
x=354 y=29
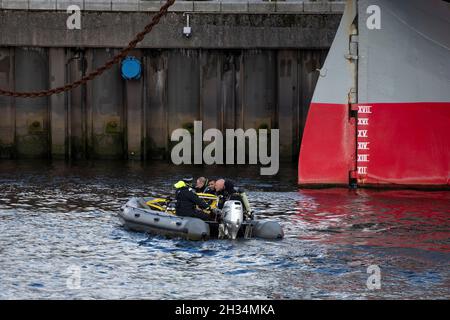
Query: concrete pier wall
x=211 y=31
x=113 y=118
x=238 y=70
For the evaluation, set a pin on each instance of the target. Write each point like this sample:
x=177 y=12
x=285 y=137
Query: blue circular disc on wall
x=131 y=68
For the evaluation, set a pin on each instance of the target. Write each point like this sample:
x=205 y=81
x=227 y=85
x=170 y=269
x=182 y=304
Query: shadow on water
x=58 y=217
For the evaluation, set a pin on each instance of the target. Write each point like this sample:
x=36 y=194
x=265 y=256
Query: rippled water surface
x=57 y=220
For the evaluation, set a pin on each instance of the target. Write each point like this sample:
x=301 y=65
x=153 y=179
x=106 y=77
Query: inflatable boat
x=157 y=216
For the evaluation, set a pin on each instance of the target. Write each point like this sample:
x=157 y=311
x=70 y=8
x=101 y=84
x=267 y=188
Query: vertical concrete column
x=134 y=114
x=211 y=64
x=156 y=141
x=58 y=116
x=88 y=116
x=105 y=109
x=230 y=89
x=259 y=90
x=183 y=89
x=288 y=103
x=7 y=111
x=32 y=125
x=76 y=108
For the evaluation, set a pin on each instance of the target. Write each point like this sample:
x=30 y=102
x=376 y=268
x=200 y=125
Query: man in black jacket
x=211 y=188
x=187 y=200
x=226 y=191
x=201 y=185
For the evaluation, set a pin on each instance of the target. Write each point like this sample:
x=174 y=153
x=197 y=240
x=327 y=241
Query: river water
x=60 y=238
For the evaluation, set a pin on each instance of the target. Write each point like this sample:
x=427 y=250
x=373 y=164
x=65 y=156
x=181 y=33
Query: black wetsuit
x=229 y=193
x=205 y=189
x=209 y=190
x=200 y=190
x=187 y=200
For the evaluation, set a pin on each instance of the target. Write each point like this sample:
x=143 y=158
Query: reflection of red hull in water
x=394 y=129
x=391 y=218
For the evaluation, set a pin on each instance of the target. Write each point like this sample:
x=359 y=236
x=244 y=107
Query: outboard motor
x=233 y=216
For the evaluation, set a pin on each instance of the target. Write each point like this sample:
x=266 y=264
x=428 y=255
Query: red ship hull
x=380 y=115
x=403 y=144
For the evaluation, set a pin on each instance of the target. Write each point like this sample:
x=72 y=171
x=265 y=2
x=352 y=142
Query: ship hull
x=380 y=115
